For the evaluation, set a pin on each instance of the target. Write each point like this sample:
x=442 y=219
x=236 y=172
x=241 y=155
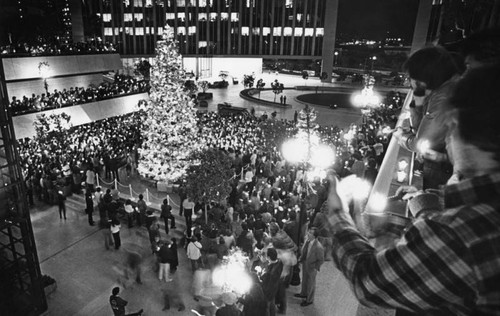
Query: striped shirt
x=445 y=264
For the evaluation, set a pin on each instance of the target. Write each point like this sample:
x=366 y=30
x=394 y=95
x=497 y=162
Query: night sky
x=371 y=19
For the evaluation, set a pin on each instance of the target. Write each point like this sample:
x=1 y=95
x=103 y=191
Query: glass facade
x=216 y=27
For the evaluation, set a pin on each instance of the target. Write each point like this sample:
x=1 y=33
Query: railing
x=395 y=170
x=126 y=191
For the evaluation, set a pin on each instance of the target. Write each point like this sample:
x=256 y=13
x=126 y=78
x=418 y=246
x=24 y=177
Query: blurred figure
x=481 y=48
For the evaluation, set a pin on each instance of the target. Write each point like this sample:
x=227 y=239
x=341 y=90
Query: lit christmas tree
x=170 y=132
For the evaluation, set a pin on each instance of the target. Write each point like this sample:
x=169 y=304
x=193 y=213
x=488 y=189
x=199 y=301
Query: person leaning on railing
x=447 y=262
x=433 y=73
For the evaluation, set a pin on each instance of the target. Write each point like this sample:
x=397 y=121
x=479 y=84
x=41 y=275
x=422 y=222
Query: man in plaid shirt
x=446 y=263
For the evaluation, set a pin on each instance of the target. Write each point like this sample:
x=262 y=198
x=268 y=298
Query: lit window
x=202 y=16
x=202 y=44
x=266 y=31
x=298 y=31
x=245 y=30
x=309 y=31
x=213 y=16
x=149 y=3
x=108 y=31
x=181 y=16
x=299 y=17
x=320 y=31
x=224 y=16
x=181 y=3
x=235 y=17
x=160 y=30
x=127 y=17
x=181 y=30
x=289 y=3
x=287 y=31
x=117 y=30
x=277 y=31
x=138 y=16
x=148 y=30
x=138 y=3
x=106 y=17
x=192 y=30
x=255 y=31
x=202 y=3
x=139 y=31
x=170 y=16
x=127 y=30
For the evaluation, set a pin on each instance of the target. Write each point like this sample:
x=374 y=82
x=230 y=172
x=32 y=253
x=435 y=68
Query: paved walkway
x=73 y=253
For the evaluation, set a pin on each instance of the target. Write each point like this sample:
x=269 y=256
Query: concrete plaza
x=73 y=253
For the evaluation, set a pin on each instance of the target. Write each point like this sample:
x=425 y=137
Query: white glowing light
x=354 y=187
x=401 y=176
x=386 y=130
x=377 y=203
x=232 y=275
x=323 y=156
x=294 y=151
x=366 y=98
x=402 y=164
x=423 y=146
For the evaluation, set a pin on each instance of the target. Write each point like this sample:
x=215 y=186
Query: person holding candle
x=447 y=262
x=433 y=73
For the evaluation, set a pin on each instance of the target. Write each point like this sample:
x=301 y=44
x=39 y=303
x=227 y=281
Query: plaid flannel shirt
x=445 y=264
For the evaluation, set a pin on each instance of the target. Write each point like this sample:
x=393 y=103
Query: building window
x=309 y=31
x=298 y=31
x=213 y=16
x=181 y=16
x=106 y=17
x=138 y=17
x=202 y=16
x=170 y=16
x=202 y=44
x=245 y=30
x=160 y=30
x=289 y=3
x=181 y=30
x=320 y=31
x=235 y=17
x=255 y=31
x=287 y=31
x=149 y=3
x=202 y=4
x=139 y=31
x=224 y=16
x=127 y=17
x=181 y=3
x=266 y=31
x=108 y=31
x=277 y=31
x=138 y=3
x=299 y=17
x=192 y=30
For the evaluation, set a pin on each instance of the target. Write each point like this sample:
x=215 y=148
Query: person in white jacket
x=194 y=252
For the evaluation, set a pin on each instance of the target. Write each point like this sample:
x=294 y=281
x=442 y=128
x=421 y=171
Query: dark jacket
x=270 y=280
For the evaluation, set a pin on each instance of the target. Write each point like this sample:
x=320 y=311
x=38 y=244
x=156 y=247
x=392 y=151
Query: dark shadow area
x=342 y=100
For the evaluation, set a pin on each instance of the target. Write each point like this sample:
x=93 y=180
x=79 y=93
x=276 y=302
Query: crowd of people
x=121 y=85
x=57 y=47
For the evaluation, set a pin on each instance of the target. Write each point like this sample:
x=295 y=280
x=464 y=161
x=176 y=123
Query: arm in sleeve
x=424 y=269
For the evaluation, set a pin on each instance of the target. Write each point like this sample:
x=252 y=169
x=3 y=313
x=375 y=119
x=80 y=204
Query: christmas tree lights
x=170 y=131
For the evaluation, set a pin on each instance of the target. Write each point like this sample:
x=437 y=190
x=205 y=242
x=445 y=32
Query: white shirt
x=193 y=250
x=129 y=209
x=115 y=229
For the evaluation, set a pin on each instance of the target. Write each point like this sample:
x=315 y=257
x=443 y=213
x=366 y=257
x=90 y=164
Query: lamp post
x=335 y=58
x=373 y=58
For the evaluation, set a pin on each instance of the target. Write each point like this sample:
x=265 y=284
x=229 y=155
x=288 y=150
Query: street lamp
x=335 y=57
x=373 y=58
